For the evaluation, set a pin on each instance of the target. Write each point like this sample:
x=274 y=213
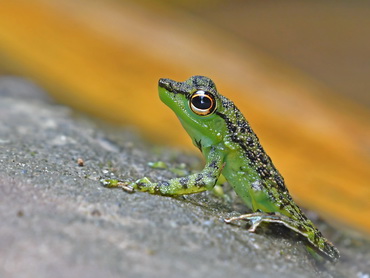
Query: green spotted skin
x=230 y=147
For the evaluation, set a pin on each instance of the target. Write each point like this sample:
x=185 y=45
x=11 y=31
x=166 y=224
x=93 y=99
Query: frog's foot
x=113 y=183
x=257 y=218
x=319 y=244
x=254 y=218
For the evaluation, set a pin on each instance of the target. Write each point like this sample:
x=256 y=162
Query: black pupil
x=202 y=102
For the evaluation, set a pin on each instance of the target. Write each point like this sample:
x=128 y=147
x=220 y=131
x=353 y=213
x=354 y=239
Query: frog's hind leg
x=314 y=237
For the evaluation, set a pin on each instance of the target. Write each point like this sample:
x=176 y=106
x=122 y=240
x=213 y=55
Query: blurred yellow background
x=294 y=68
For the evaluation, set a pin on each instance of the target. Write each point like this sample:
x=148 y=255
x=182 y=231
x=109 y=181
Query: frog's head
x=195 y=102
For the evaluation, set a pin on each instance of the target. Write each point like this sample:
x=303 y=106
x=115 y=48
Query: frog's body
x=229 y=145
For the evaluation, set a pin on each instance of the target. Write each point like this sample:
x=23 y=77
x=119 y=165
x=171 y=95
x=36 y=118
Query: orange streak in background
x=105 y=59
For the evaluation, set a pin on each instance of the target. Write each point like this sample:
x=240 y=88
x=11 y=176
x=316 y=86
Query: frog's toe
x=142 y=184
x=110 y=183
x=126 y=186
x=113 y=183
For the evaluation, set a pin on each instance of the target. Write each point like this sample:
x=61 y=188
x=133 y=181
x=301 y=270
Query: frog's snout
x=165 y=83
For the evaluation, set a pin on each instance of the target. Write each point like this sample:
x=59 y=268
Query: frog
x=231 y=149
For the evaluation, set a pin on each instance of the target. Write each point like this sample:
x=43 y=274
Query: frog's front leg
x=194 y=183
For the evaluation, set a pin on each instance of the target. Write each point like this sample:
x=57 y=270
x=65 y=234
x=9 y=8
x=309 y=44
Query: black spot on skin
x=329 y=249
x=164 y=183
x=225 y=103
x=318 y=233
x=233 y=128
x=198 y=178
x=280 y=182
x=234 y=138
x=184 y=182
x=244 y=126
x=213 y=164
x=200 y=184
x=140 y=185
x=263 y=158
x=271 y=196
x=263 y=172
x=301 y=228
x=260 y=149
x=249 y=141
x=281 y=206
x=251 y=155
x=199 y=144
x=316 y=238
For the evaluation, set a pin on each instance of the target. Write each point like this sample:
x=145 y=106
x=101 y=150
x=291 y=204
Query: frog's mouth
x=176 y=101
x=170 y=94
x=171 y=100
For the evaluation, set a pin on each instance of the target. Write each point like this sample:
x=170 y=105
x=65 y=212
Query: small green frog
x=230 y=147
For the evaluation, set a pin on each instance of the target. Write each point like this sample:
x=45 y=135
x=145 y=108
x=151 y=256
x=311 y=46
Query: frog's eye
x=202 y=103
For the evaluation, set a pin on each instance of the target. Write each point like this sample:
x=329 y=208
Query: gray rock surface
x=57 y=220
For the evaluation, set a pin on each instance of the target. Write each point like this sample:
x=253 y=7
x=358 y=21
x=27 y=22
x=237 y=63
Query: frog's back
x=266 y=183
x=259 y=182
x=255 y=163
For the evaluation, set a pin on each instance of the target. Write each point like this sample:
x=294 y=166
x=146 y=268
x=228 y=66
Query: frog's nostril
x=165 y=83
